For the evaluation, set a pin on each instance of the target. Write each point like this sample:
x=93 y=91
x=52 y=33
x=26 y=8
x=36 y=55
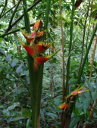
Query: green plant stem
x=35 y=79
x=63 y=44
x=47 y=14
x=86 y=55
x=70 y=48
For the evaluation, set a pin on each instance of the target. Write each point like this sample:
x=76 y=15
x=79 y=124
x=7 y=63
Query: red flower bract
x=42 y=47
x=41 y=60
x=30 y=50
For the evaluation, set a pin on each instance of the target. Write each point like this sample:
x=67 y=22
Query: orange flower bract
x=37 y=25
x=40 y=34
x=64 y=106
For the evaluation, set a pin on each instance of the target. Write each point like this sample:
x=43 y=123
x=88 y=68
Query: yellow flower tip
x=79 y=92
x=22 y=42
x=64 y=106
x=39 y=34
x=24 y=32
x=41 y=47
x=54 y=53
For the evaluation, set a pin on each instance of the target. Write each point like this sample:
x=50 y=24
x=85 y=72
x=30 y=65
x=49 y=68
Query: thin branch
x=70 y=47
x=33 y=5
x=84 y=34
x=8 y=11
x=11 y=19
x=14 y=31
x=6 y=1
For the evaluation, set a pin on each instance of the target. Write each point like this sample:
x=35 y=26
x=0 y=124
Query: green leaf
x=19 y=68
x=52 y=115
x=13 y=106
x=17 y=118
x=14 y=62
x=28 y=123
x=1 y=39
x=93 y=6
x=26 y=113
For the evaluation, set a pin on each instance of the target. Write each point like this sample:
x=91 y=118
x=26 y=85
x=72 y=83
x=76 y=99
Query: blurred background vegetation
x=15 y=107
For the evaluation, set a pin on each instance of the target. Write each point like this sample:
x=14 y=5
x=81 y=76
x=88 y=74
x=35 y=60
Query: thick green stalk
x=86 y=55
x=35 y=79
x=70 y=47
x=47 y=13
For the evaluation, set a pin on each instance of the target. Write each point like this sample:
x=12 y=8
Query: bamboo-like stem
x=70 y=48
x=63 y=44
x=13 y=14
x=88 y=31
x=63 y=61
x=47 y=13
x=83 y=38
x=86 y=55
x=92 y=55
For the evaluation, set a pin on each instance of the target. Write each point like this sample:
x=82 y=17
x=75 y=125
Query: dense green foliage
x=15 y=101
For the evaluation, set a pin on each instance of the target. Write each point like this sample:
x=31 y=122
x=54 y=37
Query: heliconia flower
x=42 y=59
x=40 y=34
x=41 y=47
x=64 y=106
x=29 y=36
x=78 y=92
x=30 y=50
x=37 y=25
x=39 y=61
